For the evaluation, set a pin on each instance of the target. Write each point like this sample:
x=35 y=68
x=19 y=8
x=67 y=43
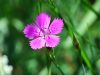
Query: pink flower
x=42 y=33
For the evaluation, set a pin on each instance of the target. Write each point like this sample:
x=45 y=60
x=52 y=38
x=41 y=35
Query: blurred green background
x=79 y=50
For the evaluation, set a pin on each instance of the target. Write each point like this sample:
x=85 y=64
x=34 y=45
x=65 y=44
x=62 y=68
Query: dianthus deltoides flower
x=42 y=33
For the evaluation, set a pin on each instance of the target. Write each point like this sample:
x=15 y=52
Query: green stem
x=49 y=66
x=57 y=66
x=49 y=70
x=48 y=61
x=52 y=59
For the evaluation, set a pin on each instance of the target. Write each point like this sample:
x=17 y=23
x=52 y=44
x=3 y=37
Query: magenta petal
x=52 y=40
x=43 y=20
x=56 y=26
x=37 y=43
x=31 y=31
